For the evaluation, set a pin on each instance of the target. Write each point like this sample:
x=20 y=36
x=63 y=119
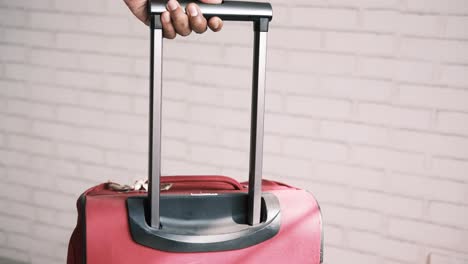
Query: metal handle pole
x=155 y=119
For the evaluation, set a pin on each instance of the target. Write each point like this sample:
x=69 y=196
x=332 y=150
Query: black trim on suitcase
x=206 y=223
x=82 y=200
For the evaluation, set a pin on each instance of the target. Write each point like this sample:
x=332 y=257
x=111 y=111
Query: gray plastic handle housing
x=228 y=10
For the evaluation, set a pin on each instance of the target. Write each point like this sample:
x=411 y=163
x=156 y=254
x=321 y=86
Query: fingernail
x=193 y=11
x=172 y=5
x=166 y=17
x=216 y=25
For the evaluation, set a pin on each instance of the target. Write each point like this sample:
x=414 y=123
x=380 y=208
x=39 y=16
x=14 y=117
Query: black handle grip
x=228 y=10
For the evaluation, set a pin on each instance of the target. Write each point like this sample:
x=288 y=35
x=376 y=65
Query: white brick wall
x=367 y=107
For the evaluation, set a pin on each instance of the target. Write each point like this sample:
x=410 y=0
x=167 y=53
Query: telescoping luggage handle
x=258 y=13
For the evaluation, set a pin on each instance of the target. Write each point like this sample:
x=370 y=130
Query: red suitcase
x=201 y=219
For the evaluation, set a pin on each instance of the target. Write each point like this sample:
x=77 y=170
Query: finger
x=168 y=29
x=215 y=24
x=179 y=19
x=211 y=1
x=197 y=20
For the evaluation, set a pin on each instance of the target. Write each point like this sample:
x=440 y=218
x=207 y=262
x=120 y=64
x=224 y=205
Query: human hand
x=175 y=20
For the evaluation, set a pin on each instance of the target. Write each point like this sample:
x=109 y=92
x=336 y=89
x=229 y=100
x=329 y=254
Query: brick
x=14 y=158
x=3 y=238
x=434 y=189
x=184 y=51
x=16 y=209
x=320 y=62
x=436 y=258
x=355 y=218
x=296 y=39
x=101 y=173
x=322 y=107
x=198 y=133
x=324 y=18
x=449 y=214
x=126 y=84
x=361 y=43
x=340 y=255
x=55 y=131
x=85 y=6
x=356 y=133
x=60 y=201
x=292 y=83
x=454 y=75
x=426 y=234
x=286 y=167
x=30 y=178
x=52 y=21
x=174 y=149
x=81 y=116
x=105 y=63
x=30 y=73
x=451 y=168
x=224 y=156
x=359 y=89
x=52 y=58
x=441 y=98
x=440 y=50
x=402 y=70
x=230 y=139
x=104 y=24
x=73 y=186
x=389 y=204
x=272 y=144
x=393 y=116
x=18 y=255
x=178 y=110
x=357 y=177
x=80 y=152
x=291 y=125
x=29 y=37
x=326 y=193
x=30 y=144
x=13 y=224
x=380 y=20
x=405 y=23
x=335 y=236
x=30 y=109
x=450 y=6
x=127 y=122
x=53 y=94
x=222 y=76
x=12 y=53
x=385 y=158
x=131 y=161
x=53 y=166
x=455 y=28
x=421 y=25
x=106 y=101
x=367 y=3
x=13 y=89
x=320 y=150
x=15 y=192
x=451 y=146
x=176 y=129
x=452 y=122
x=36 y=4
x=225 y=117
x=389 y=248
x=78 y=79
x=103 y=138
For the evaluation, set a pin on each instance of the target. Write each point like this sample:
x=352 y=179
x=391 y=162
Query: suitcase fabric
x=201 y=219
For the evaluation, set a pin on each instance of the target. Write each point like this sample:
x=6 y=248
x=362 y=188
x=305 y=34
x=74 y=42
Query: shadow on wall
x=9 y=261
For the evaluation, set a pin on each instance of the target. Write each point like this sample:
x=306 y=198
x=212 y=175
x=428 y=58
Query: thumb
x=211 y=1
